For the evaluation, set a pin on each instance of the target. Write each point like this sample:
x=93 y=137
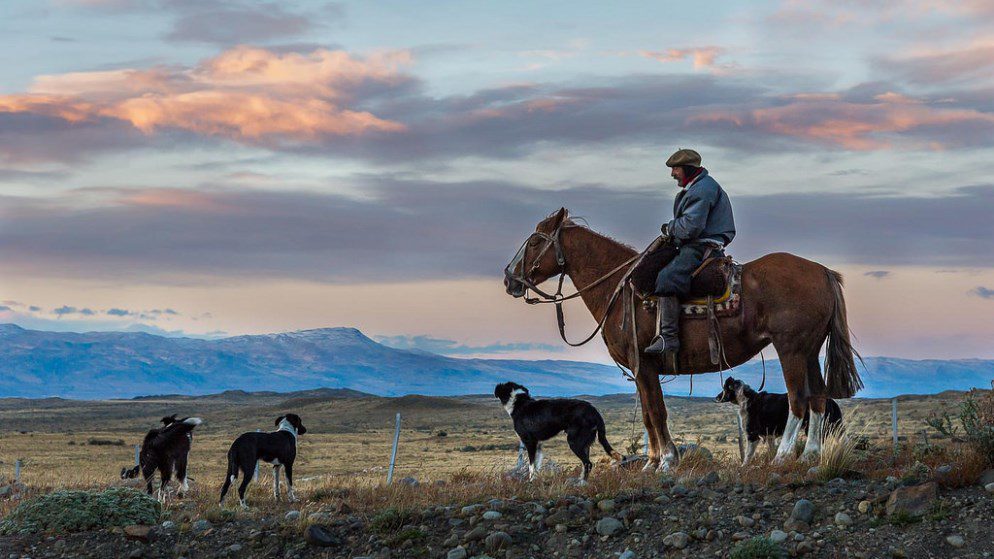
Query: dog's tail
x=231 y=475
x=602 y=437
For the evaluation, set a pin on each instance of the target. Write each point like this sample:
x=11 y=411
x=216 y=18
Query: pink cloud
x=890 y=121
x=975 y=61
x=703 y=57
x=246 y=94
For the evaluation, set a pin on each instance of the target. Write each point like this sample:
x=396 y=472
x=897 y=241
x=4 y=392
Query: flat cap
x=684 y=157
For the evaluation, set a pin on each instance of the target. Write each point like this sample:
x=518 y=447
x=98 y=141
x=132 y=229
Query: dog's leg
x=751 y=445
x=531 y=447
x=166 y=474
x=579 y=442
x=290 y=494
x=276 y=482
x=184 y=487
x=247 y=474
x=538 y=458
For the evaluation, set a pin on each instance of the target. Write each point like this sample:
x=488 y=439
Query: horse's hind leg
x=795 y=376
x=816 y=401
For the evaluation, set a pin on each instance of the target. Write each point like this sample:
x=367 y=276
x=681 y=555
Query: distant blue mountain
x=35 y=364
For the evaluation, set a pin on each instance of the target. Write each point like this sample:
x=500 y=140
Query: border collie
x=764 y=415
x=167 y=450
x=279 y=448
x=540 y=420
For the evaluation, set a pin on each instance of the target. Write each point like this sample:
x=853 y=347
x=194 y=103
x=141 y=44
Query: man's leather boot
x=667 y=327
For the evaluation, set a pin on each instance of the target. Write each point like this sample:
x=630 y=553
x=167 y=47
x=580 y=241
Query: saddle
x=713 y=278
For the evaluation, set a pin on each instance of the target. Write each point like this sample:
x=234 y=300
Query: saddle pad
x=728 y=304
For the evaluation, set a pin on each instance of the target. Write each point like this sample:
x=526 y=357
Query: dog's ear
x=279 y=419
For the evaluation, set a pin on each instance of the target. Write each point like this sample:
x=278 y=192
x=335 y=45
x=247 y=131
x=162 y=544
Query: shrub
x=976 y=417
x=74 y=511
x=390 y=519
x=105 y=442
x=838 y=454
x=757 y=548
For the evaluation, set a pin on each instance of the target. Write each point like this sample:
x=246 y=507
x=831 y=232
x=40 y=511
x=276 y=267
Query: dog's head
x=732 y=391
x=294 y=420
x=169 y=420
x=508 y=390
x=131 y=473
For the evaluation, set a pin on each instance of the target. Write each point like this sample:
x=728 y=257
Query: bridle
x=553 y=241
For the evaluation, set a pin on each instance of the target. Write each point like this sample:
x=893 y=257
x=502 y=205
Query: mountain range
x=98 y=365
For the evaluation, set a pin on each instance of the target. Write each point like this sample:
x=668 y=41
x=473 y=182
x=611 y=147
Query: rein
x=557 y=299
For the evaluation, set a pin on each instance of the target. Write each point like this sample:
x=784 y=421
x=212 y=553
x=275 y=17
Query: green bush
x=391 y=519
x=757 y=548
x=75 y=511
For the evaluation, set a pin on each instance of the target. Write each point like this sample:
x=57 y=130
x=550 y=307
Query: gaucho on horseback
x=702 y=226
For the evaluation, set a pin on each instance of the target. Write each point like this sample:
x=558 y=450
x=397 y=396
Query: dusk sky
x=211 y=167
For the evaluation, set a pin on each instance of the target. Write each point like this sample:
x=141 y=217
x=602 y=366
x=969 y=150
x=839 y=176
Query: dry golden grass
x=345 y=454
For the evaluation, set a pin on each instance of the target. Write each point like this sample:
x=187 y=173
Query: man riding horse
x=702 y=226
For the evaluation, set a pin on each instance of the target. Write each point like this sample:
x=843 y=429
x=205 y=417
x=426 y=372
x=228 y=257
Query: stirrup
x=657 y=346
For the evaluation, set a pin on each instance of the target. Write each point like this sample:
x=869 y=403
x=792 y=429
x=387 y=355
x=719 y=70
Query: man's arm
x=690 y=224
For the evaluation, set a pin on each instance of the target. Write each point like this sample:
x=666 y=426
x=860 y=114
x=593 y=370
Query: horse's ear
x=561 y=216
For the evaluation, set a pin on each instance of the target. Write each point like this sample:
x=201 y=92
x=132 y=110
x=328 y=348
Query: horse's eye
x=533 y=242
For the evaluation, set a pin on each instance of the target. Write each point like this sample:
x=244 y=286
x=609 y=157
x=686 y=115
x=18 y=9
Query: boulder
x=915 y=500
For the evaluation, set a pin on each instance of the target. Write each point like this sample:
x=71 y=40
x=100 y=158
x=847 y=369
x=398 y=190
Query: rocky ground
x=689 y=516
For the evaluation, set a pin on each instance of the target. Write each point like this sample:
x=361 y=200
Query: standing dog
x=279 y=448
x=167 y=450
x=764 y=415
x=540 y=420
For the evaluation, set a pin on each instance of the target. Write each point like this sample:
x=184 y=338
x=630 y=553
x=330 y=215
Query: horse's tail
x=841 y=374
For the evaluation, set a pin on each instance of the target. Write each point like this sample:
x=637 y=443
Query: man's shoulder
x=705 y=187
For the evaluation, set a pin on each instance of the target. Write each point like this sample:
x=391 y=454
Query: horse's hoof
x=664 y=466
x=809 y=456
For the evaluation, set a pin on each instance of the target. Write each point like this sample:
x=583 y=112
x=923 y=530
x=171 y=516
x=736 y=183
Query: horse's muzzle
x=514 y=287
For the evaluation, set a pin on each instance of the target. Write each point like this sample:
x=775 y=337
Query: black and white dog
x=764 y=415
x=167 y=450
x=540 y=420
x=279 y=448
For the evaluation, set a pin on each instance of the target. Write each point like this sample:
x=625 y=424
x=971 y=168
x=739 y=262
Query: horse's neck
x=589 y=257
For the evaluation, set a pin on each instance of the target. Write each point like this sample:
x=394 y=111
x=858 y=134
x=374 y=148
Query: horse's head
x=539 y=258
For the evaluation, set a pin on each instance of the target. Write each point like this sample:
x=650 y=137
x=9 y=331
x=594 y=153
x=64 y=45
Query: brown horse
x=788 y=301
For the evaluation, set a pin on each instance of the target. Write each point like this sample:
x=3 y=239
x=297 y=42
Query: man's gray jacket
x=702 y=212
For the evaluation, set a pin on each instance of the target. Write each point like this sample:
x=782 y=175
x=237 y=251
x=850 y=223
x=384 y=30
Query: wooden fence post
x=393 y=454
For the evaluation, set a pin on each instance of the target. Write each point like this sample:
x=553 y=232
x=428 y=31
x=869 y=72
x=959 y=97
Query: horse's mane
x=570 y=222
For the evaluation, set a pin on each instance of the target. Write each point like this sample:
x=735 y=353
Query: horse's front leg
x=662 y=451
x=795 y=377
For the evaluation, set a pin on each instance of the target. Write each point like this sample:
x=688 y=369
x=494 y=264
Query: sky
x=214 y=167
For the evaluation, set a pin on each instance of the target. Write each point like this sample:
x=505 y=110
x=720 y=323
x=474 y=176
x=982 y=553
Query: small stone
x=608 y=526
x=292 y=515
x=498 y=541
x=864 y=507
x=320 y=517
x=676 y=540
x=200 y=526
x=136 y=553
x=987 y=476
x=710 y=479
x=457 y=553
x=955 y=540
x=804 y=510
x=413 y=482
x=607 y=505
x=491 y=515
x=813 y=471
x=475 y=534
x=168 y=526
x=470 y=509
x=235 y=548
x=745 y=521
x=843 y=519
x=915 y=501
x=628 y=554
x=739 y=536
x=137 y=533
x=989 y=487
x=778 y=536
x=321 y=537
